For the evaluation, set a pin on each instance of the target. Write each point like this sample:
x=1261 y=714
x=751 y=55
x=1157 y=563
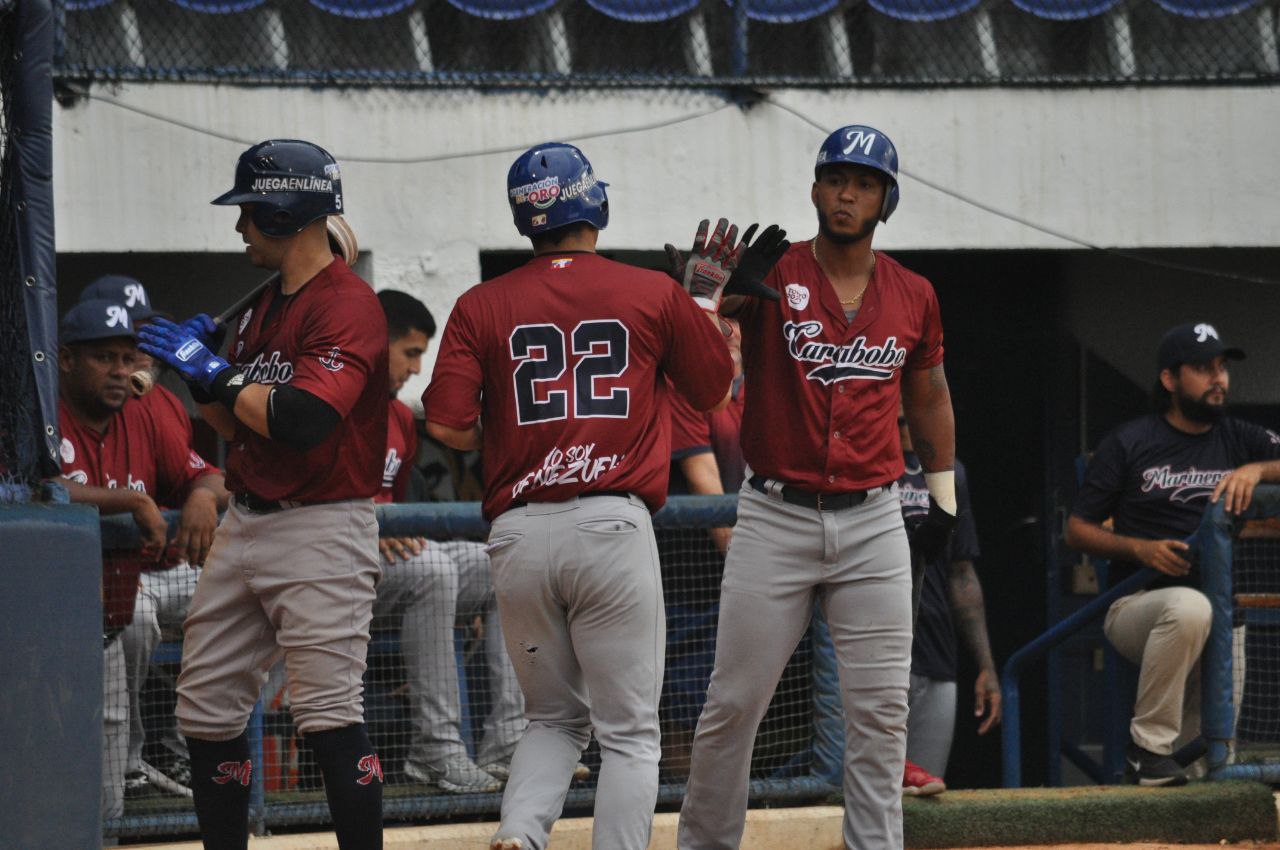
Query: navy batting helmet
x=552 y=185
x=291 y=183
x=862 y=145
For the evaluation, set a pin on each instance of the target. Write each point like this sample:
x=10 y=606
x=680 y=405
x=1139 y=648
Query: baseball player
x=950 y=605
x=556 y=369
x=163 y=595
x=126 y=457
x=302 y=402
x=425 y=586
x=1153 y=477
x=819 y=515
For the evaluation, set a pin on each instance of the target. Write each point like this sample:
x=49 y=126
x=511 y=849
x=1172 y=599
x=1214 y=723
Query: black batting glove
x=754 y=261
x=929 y=536
x=705 y=272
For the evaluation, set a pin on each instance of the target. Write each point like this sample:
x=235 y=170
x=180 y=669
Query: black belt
x=623 y=494
x=255 y=505
x=817 y=501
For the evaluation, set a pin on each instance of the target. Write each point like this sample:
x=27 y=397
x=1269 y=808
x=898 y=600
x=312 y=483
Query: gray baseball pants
x=297 y=584
x=580 y=595
x=856 y=562
x=424 y=595
x=931 y=725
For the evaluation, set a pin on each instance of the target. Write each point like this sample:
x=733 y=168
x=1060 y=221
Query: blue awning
x=641 y=11
x=786 y=11
x=502 y=10
x=1205 y=8
x=360 y=8
x=922 y=10
x=1065 y=10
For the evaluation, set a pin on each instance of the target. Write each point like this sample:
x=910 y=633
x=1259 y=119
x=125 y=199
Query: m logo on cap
x=117 y=317
x=1204 y=331
x=134 y=295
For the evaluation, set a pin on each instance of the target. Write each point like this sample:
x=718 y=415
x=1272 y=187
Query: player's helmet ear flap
x=290 y=183
x=552 y=185
x=862 y=145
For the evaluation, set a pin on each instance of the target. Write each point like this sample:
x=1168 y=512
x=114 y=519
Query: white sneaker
x=457 y=775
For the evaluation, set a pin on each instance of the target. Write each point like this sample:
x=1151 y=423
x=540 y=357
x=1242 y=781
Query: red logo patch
x=234 y=770
x=371 y=767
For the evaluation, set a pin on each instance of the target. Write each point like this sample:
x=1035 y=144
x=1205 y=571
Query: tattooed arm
x=969 y=615
x=926 y=400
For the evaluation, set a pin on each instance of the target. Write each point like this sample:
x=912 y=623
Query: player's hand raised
x=210 y=333
x=706 y=270
x=754 y=260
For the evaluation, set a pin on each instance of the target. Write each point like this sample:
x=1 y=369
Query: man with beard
x=819 y=518
x=1153 y=478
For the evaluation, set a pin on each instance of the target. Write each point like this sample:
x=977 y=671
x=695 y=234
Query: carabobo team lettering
x=271 y=370
x=1185 y=485
x=853 y=361
x=292 y=184
x=569 y=466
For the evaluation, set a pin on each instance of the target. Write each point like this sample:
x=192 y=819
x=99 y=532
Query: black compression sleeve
x=298 y=418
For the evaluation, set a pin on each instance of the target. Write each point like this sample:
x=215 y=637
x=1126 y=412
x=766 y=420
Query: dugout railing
x=784 y=739
x=1239 y=560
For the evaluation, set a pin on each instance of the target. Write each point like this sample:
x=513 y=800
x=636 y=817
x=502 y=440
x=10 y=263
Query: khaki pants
x=1163 y=631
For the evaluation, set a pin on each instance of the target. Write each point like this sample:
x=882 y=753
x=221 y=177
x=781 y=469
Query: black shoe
x=1143 y=767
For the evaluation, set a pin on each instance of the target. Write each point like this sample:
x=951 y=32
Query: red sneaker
x=918 y=782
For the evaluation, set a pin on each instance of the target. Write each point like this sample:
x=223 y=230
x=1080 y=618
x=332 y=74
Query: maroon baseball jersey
x=822 y=411
x=143 y=448
x=720 y=433
x=173 y=409
x=402 y=446
x=330 y=339
x=563 y=362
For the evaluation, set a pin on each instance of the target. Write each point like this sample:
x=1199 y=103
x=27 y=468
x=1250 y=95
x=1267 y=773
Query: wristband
x=942 y=487
x=226 y=387
x=200 y=395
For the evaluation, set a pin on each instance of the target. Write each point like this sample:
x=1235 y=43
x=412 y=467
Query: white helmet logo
x=1204 y=331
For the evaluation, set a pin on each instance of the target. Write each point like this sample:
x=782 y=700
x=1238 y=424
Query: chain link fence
x=691 y=43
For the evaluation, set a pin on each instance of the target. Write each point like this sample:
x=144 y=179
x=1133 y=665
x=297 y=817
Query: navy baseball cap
x=1195 y=343
x=97 y=318
x=122 y=290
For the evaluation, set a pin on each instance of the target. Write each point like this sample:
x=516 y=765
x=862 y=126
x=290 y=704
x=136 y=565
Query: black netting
x=1256 y=642
x=19 y=464
x=571 y=43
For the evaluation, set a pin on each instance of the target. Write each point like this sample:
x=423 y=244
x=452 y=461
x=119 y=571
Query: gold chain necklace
x=813 y=249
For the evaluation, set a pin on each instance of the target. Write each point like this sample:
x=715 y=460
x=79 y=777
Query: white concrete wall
x=1133 y=168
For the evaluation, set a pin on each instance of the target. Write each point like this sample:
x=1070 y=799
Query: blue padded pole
x=1217 y=723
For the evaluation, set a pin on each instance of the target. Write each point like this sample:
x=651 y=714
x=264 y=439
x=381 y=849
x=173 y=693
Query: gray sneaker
x=457 y=775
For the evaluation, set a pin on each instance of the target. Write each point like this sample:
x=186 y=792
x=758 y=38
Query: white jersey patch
x=797 y=295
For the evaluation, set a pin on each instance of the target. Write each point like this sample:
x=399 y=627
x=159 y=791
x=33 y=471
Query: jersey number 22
x=540 y=356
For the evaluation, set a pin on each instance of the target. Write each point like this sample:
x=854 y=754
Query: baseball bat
x=342 y=241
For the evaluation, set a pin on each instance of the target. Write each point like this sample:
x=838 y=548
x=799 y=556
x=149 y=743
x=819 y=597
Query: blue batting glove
x=203 y=328
x=179 y=348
